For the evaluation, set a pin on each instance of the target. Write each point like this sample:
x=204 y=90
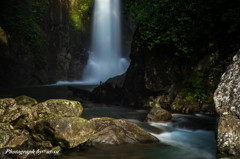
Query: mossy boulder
x=158 y=114
x=57 y=107
x=25 y=100
x=67 y=132
x=19 y=115
x=117 y=131
x=10 y=138
x=13 y=113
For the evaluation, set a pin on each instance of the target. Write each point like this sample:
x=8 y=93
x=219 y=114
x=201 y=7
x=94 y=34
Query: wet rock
x=67 y=132
x=158 y=114
x=17 y=114
x=117 y=81
x=10 y=138
x=107 y=93
x=117 y=131
x=57 y=107
x=227 y=101
x=228 y=135
x=226 y=96
x=25 y=100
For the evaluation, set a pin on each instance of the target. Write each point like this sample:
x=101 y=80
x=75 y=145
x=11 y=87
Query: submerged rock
x=227 y=102
x=117 y=131
x=158 y=114
x=67 y=132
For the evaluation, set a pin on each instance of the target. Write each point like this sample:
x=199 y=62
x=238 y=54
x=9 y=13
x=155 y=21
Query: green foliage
x=197 y=87
x=22 y=22
x=79 y=11
x=1 y=135
x=184 y=25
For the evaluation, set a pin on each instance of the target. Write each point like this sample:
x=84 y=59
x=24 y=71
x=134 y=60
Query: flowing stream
x=186 y=137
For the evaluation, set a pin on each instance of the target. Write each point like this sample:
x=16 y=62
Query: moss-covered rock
x=57 y=107
x=185 y=105
x=117 y=131
x=6 y=103
x=158 y=114
x=25 y=100
x=67 y=132
x=18 y=116
x=10 y=138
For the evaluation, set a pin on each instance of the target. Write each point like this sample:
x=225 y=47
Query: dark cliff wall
x=178 y=54
x=45 y=41
x=181 y=84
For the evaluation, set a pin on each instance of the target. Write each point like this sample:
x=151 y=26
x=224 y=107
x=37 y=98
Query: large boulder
x=227 y=104
x=67 y=132
x=226 y=96
x=57 y=107
x=158 y=114
x=117 y=131
x=228 y=135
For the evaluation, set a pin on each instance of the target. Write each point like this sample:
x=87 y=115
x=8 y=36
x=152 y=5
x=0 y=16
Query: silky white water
x=105 y=57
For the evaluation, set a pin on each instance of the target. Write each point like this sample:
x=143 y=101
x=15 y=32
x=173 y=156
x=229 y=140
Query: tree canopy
x=186 y=24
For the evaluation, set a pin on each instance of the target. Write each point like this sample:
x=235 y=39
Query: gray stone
x=227 y=104
x=117 y=131
x=67 y=132
x=158 y=114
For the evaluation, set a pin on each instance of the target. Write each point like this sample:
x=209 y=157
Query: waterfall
x=105 y=56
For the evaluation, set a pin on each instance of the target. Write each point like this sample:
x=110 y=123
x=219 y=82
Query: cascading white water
x=105 y=56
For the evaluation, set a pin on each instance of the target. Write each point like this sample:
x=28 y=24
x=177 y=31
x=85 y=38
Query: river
x=185 y=137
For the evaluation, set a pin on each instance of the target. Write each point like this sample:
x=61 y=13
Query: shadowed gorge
x=119 y=79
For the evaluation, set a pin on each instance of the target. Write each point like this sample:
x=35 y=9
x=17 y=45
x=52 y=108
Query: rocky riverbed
x=57 y=124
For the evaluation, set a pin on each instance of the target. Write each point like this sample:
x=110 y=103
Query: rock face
x=227 y=102
x=50 y=45
x=158 y=114
x=117 y=131
x=158 y=75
